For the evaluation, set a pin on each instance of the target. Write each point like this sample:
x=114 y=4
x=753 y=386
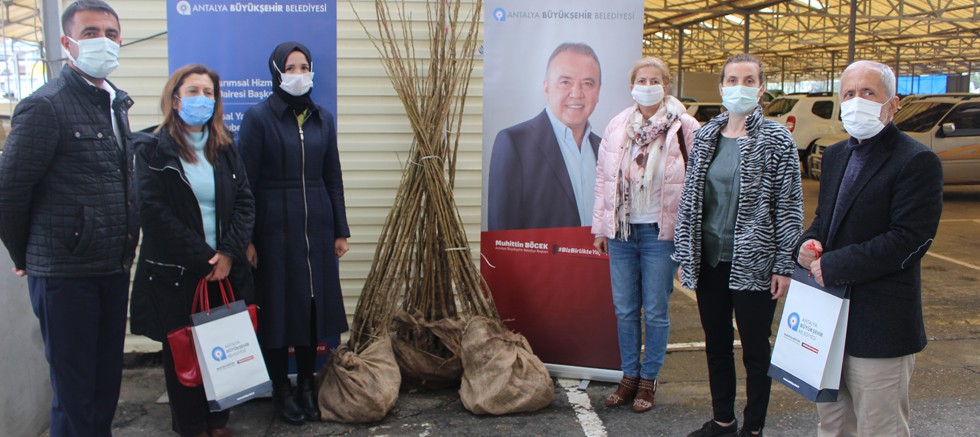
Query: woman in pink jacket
x=639 y=178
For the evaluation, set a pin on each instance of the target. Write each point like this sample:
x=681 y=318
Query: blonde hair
x=651 y=62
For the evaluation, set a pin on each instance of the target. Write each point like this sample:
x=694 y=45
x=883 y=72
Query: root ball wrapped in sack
x=360 y=388
x=500 y=373
x=414 y=340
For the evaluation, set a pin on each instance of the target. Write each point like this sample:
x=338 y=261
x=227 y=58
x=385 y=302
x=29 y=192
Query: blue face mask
x=196 y=110
x=740 y=100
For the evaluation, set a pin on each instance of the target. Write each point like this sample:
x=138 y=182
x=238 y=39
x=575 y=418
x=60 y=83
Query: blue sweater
x=200 y=175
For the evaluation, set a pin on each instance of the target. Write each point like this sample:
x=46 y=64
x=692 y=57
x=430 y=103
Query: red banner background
x=552 y=286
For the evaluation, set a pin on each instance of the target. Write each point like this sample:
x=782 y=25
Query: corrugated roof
x=809 y=38
x=805 y=38
x=21 y=20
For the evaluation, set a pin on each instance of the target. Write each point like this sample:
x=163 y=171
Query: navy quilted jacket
x=68 y=205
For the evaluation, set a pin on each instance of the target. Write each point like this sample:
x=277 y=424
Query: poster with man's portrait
x=555 y=73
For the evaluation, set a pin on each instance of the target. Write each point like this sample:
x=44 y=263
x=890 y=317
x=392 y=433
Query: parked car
x=816 y=152
x=808 y=117
x=949 y=124
x=769 y=96
x=704 y=111
x=914 y=97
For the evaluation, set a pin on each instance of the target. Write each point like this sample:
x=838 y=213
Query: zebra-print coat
x=770 y=205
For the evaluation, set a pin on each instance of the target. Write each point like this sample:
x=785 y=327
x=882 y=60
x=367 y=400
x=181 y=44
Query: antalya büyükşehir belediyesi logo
x=499 y=14
x=793 y=321
x=184 y=7
x=218 y=354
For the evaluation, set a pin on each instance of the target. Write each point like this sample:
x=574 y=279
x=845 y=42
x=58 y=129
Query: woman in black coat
x=289 y=146
x=197 y=213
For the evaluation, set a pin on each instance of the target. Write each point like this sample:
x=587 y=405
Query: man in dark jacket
x=542 y=171
x=878 y=210
x=69 y=220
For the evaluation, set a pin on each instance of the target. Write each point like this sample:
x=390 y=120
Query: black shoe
x=306 y=398
x=285 y=403
x=713 y=429
x=742 y=432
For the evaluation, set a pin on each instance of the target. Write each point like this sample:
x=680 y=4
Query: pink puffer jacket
x=614 y=145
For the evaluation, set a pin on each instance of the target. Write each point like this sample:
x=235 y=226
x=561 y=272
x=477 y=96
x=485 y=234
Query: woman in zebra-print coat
x=740 y=215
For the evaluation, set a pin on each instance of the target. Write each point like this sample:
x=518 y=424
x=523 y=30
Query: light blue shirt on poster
x=200 y=175
x=580 y=163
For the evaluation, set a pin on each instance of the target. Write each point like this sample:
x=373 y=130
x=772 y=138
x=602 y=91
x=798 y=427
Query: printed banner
x=555 y=73
x=236 y=38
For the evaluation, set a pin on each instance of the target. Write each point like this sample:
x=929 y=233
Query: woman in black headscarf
x=289 y=146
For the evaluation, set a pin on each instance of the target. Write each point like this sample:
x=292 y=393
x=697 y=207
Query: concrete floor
x=945 y=387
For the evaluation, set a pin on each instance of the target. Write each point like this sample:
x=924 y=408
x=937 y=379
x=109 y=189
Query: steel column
x=51 y=18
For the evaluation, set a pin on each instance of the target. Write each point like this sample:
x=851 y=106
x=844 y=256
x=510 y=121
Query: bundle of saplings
x=424 y=286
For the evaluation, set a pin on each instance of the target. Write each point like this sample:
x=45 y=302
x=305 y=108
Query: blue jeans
x=642 y=276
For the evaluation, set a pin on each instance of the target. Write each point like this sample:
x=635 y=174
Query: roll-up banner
x=555 y=73
x=236 y=38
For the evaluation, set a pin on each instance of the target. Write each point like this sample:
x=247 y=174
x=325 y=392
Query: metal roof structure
x=804 y=38
x=21 y=20
x=809 y=38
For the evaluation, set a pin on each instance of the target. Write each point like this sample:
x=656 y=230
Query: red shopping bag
x=182 y=341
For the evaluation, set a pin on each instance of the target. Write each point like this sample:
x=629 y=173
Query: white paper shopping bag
x=231 y=361
x=809 y=349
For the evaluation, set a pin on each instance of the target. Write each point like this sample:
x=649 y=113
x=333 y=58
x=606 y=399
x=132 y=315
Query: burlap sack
x=360 y=388
x=500 y=373
x=421 y=368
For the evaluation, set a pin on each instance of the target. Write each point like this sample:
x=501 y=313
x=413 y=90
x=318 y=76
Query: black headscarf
x=279 y=55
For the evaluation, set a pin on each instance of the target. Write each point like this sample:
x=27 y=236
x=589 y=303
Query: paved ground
x=945 y=387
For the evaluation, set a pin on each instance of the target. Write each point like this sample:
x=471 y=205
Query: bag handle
x=229 y=295
x=680 y=142
x=201 y=299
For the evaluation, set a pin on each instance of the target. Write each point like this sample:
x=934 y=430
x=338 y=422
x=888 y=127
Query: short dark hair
x=84 y=5
x=574 y=47
x=744 y=57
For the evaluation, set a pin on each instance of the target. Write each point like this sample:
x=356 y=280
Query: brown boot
x=644 y=396
x=624 y=393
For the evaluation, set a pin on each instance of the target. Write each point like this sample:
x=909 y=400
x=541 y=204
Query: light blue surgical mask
x=97 y=57
x=740 y=100
x=196 y=110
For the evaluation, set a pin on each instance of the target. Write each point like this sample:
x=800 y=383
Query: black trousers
x=277 y=362
x=754 y=311
x=83 y=324
x=189 y=414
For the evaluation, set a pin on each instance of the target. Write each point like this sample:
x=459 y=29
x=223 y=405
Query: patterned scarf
x=636 y=171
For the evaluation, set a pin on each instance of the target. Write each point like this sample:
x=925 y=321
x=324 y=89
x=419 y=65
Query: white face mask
x=739 y=100
x=861 y=117
x=97 y=57
x=295 y=84
x=648 y=95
